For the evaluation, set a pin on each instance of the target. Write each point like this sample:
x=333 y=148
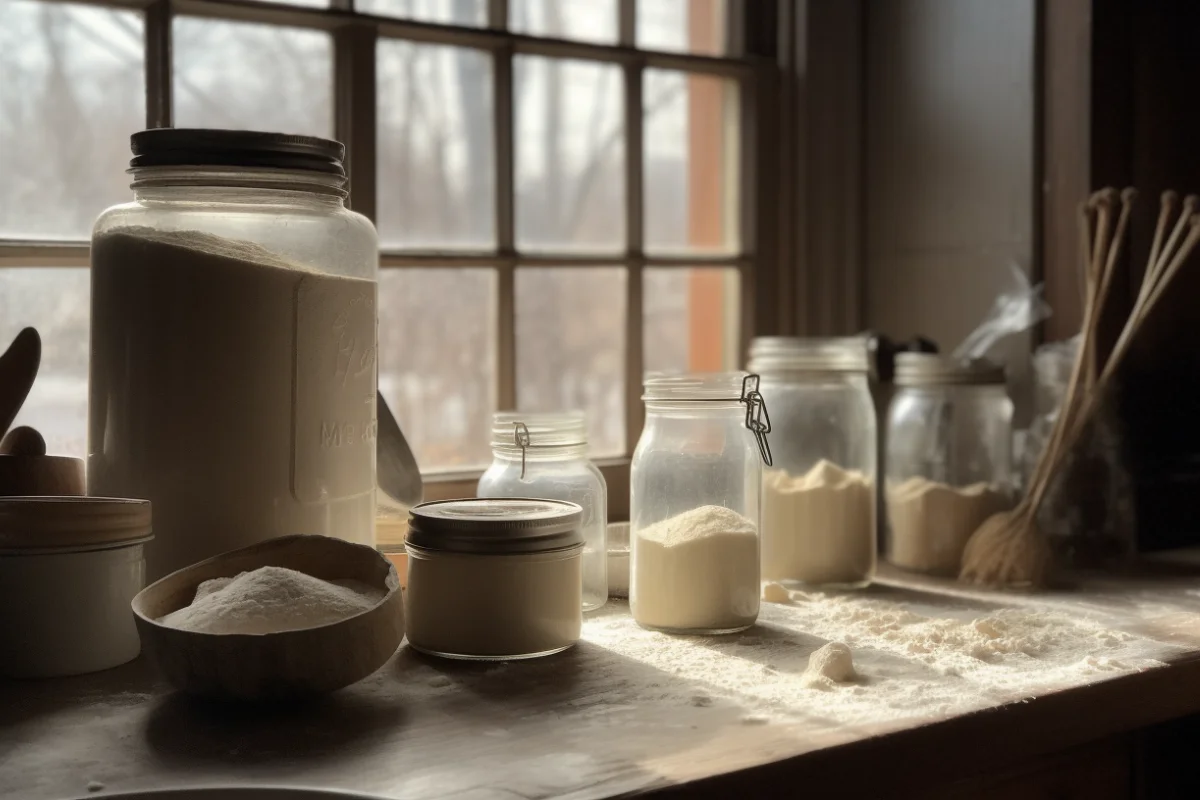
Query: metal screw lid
x=928 y=369
x=801 y=354
x=200 y=147
x=496 y=526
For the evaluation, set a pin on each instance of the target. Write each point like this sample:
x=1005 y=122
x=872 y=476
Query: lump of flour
x=829 y=665
x=775 y=593
x=270 y=600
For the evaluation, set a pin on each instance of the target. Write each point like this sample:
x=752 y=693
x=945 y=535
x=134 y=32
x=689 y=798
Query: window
x=557 y=185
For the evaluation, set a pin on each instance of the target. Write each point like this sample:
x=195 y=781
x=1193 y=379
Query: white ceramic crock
x=69 y=567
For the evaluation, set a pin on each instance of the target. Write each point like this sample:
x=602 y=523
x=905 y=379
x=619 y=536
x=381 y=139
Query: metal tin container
x=494 y=579
x=69 y=567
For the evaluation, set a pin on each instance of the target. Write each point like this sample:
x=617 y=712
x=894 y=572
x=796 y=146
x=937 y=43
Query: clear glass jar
x=819 y=499
x=949 y=462
x=493 y=580
x=545 y=455
x=694 y=504
x=233 y=325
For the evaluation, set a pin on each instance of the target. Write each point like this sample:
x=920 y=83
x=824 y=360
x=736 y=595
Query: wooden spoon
x=18 y=368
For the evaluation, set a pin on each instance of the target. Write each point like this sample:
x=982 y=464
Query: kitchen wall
x=949 y=166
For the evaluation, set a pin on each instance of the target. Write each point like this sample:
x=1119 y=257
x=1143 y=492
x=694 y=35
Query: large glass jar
x=694 y=504
x=544 y=455
x=233 y=344
x=819 y=499
x=949 y=464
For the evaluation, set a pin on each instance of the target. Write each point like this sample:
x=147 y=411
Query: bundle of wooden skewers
x=1009 y=549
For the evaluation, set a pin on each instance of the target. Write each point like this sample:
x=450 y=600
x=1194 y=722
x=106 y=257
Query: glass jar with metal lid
x=694 y=504
x=233 y=330
x=948 y=458
x=494 y=580
x=819 y=499
x=545 y=455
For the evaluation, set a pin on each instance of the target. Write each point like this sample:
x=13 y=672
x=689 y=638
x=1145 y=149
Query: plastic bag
x=1012 y=312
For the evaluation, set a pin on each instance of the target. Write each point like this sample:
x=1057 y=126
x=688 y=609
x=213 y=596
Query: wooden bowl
x=275 y=666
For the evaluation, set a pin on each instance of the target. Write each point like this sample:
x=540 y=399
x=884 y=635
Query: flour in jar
x=819 y=527
x=231 y=387
x=929 y=522
x=697 y=571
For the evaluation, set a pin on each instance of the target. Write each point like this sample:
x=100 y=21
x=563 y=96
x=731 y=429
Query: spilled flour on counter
x=859 y=658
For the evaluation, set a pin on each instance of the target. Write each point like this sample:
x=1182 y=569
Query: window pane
x=436 y=151
x=696 y=26
x=450 y=12
x=590 y=20
x=570 y=155
x=571 y=348
x=55 y=301
x=437 y=364
x=691 y=147
x=691 y=320
x=71 y=92
x=254 y=77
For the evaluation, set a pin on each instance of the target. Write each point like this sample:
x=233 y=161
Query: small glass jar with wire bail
x=949 y=464
x=544 y=455
x=819 y=499
x=694 y=504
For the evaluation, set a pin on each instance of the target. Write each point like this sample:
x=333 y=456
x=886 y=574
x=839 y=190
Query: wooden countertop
x=629 y=711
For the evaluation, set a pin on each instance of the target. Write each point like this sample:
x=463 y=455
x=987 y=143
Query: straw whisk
x=1008 y=549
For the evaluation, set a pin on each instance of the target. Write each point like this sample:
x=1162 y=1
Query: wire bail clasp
x=521 y=439
x=757 y=419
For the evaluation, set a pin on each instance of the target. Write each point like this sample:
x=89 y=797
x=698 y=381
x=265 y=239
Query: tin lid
x=71 y=522
x=496 y=526
x=928 y=369
x=201 y=147
x=801 y=354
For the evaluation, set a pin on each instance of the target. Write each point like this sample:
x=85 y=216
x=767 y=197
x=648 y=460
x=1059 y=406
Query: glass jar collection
x=721 y=499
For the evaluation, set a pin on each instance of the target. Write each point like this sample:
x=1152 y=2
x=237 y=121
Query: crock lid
x=928 y=369
x=495 y=526
x=803 y=354
x=200 y=147
x=71 y=522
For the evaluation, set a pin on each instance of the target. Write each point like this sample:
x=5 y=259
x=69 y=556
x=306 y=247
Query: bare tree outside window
x=73 y=81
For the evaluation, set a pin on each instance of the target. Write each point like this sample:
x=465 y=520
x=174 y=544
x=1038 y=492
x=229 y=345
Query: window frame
x=354 y=38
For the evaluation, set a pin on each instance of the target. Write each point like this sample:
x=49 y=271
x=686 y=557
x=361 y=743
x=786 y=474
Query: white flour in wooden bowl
x=271 y=600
